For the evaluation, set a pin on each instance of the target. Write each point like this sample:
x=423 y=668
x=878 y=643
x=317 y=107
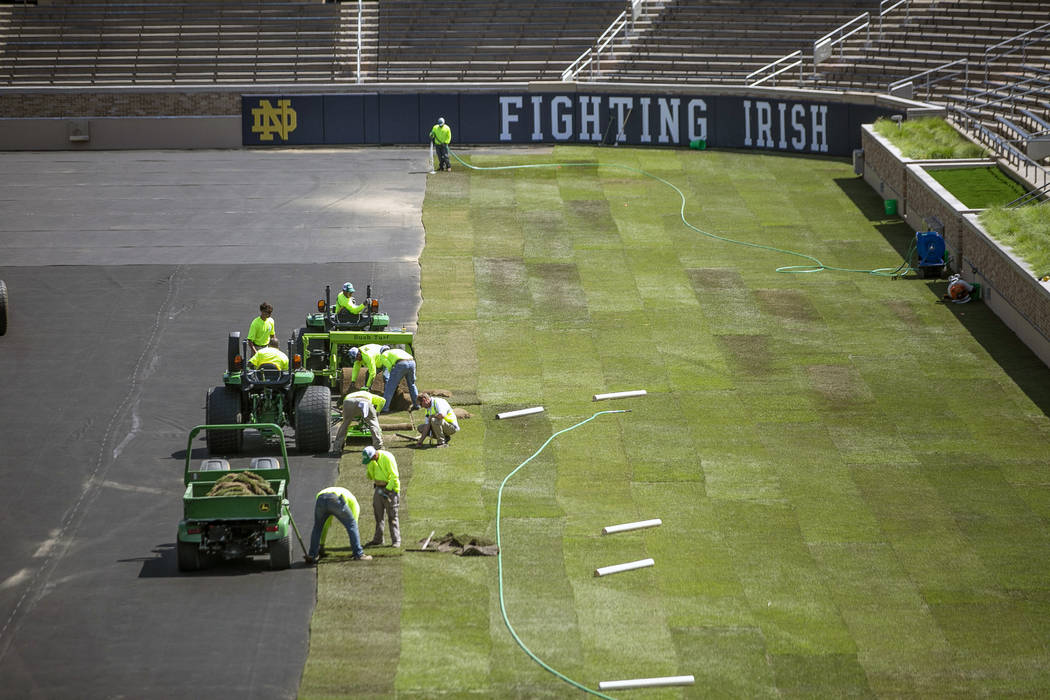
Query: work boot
x=363 y=557
x=310 y=561
x=396 y=544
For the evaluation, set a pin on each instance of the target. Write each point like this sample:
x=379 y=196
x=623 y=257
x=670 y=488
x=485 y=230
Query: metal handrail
x=1029 y=196
x=1003 y=148
x=863 y=21
x=774 y=74
x=987 y=59
x=592 y=56
x=911 y=78
x=883 y=10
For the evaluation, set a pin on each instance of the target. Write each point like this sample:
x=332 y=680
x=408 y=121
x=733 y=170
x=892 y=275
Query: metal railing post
x=360 y=20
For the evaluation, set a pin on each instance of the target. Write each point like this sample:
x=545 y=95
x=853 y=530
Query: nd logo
x=269 y=120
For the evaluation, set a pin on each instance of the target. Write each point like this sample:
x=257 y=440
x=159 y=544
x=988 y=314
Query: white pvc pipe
x=610 y=529
x=522 y=412
x=619 y=395
x=646 y=683
x=617 y=568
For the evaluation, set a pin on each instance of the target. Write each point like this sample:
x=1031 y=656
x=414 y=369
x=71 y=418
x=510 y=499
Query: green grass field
x=850 y=473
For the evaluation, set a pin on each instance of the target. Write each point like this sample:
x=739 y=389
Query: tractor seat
x=213 y=464
x=265 y=463
x=346 y=319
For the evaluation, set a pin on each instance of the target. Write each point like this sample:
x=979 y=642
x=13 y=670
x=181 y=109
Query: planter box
x=1009 y=288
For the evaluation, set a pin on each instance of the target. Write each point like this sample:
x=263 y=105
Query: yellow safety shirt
x=383 y=469
x=441 y=134
x=347 y=302
x=367 y=358
x=269 y=356
x=261 y=331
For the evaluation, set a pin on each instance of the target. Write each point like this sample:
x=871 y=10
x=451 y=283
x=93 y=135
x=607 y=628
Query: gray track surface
x=126 y=271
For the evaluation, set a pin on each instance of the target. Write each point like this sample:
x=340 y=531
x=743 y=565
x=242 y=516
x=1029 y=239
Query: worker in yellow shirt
x=382 y=470
x=345 y=301
x=365 y=356
x=441 y=421
x=395 y=364
x=441 y=136
x=270 y=355
x=365 y=406
x=335 y=502
x=262 y=330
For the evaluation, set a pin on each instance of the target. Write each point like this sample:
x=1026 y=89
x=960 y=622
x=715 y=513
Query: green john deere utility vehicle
x=269 y=395
x=235 y=512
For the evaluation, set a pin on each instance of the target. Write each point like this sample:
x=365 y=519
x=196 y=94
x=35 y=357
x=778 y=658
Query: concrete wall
x=176 y=116
x=115 y=133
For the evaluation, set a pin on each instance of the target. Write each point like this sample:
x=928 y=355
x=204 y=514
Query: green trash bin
x=891 y=207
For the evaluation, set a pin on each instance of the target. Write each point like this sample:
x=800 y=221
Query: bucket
x=891 y=207
x=698 y=144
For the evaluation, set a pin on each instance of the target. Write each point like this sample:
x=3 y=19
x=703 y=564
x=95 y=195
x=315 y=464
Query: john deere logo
x=269 y=120
x=264 y=507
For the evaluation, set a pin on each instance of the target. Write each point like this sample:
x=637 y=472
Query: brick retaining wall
x=1010 y=288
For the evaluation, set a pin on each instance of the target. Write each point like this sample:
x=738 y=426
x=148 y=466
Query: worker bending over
x=361 y=405
x=270 y=355
x=397 y=363
x=335 y=502
x=364 y=356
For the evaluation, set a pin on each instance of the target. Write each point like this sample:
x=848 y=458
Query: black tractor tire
x=281 y=553
x=189 y=554
x=224 y=407
x=312 y=419
x=3 y=307
x=233 y=349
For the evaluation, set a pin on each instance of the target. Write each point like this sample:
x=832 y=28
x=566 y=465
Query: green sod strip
x=849 y=471
x=499 y=542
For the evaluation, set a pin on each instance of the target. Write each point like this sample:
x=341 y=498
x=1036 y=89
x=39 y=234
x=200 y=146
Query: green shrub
x=927 y=138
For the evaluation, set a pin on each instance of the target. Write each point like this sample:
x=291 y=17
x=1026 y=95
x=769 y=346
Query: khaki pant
x=384 y=503
x=351 y=412
x=437 y=427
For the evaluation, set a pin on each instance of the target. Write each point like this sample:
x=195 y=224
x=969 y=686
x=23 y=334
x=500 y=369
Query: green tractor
x=324 y=344
x=269 y=395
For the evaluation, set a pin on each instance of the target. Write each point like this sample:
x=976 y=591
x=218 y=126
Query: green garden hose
x=815 y=266
x=499 y=560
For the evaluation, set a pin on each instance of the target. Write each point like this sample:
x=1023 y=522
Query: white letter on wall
x=506 y=118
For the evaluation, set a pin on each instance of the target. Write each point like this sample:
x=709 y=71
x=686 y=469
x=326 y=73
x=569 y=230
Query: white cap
x=441 y=120
x=367 y=454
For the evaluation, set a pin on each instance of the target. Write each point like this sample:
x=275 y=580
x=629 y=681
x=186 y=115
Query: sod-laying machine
x=235 y=512
x=324 y=345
